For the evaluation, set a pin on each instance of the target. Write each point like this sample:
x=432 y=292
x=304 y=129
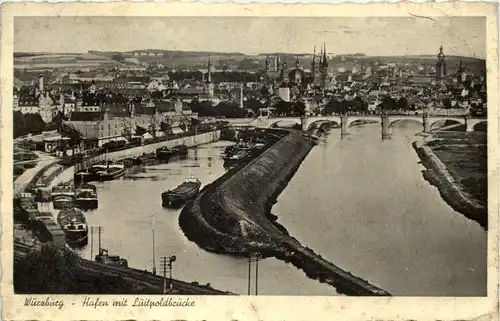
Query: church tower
x=315 y=69
x=284 y=73
x=440 y=64
x=209 y=88
x=324 y=68
x=268 y=62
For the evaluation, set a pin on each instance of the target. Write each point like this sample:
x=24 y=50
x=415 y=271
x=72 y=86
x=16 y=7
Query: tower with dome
x=440 y=64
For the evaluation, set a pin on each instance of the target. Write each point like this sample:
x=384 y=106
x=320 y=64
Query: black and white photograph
x=250 y=156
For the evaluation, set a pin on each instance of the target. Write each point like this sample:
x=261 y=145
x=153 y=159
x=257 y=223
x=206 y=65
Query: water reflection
x=375 y=216
x=126 y=208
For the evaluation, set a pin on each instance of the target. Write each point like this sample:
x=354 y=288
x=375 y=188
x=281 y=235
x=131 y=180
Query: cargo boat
x=144 y=159
x=43 y=193
x=104 y=258
x=101 y=172
x=186 y=191
x=111 y=172
x=83 y=177
x=63 y=196
x=86 y=196
x=240 y=146
x=74 y=226
x=166 y=153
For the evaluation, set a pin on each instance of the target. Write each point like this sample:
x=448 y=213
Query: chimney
x=40 y=85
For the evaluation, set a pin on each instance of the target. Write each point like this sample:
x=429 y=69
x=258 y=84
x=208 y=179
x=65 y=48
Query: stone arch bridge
x=428 y=122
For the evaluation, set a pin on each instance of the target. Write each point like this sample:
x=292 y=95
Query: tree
x=447 y=103
x=27 y=124
x=204 y=108
x=299 y=108
x=229 y=110
x=284 y=108
x=254 y=105
x=388 y=104
x=118 y=57
x=403 y=103
x=333 y=107
x=359 y=105
x=51 y=269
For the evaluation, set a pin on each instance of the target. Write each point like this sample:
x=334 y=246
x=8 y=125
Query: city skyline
x=459 y=36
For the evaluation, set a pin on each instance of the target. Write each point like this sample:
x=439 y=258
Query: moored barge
x=63 y=196
x=188 y=190
x=74 y=225
x=86 y=196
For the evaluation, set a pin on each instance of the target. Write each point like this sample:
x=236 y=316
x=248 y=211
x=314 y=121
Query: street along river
x=360 y=202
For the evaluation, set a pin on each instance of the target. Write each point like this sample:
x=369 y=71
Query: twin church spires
x=319 y=69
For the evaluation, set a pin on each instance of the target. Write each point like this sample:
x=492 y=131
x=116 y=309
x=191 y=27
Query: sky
x=464 y=36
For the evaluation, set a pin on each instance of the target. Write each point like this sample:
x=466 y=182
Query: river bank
x=232 y=216
x=456 y=164
x=189 y=141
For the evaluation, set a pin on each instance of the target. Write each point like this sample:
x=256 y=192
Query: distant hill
x=199 y=59
x=169 y=53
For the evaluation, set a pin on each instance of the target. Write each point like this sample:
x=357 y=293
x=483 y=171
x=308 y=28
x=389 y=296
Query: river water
x=363 y=204
x=126 y=210
x=360 y=202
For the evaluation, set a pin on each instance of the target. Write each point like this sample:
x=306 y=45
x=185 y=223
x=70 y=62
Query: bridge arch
x=275 y=122
x=318 y=123
x=480 y=126
x=353 y=120
x=406 y=120
x=435 y=124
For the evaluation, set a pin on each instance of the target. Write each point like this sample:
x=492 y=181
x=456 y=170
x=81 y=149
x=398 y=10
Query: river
x=126 y=210
x=360 y=202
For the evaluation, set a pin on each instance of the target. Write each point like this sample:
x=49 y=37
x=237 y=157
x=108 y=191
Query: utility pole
x=256 y=274
x=99 y=231
x=249 y=271
x=166 y=262
x=154 y=260
x=92 y=243
x=253 y=257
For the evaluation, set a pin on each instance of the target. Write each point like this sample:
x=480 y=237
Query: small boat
x=180 y=150
x=104 y=258
x=239 y=155
x=108 y=172
x=84 y=176
x=181 y=194
x=86 y=196
x=43 y=193
x=164 y=153
x=63 y=196
x=74 y=225
x=144 y=159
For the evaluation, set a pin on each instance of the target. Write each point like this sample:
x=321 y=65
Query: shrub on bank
x=55 y=270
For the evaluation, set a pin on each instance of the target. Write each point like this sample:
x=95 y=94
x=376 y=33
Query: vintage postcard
x=190 y=161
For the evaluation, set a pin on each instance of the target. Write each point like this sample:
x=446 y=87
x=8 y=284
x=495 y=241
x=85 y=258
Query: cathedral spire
x=325 y=59
x=209 y=77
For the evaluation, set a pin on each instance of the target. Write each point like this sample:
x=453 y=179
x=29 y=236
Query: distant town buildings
x=116 y=103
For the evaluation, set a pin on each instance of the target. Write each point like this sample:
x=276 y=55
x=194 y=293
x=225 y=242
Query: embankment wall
x=232 y=216
x=437 y=174
x=190 y=141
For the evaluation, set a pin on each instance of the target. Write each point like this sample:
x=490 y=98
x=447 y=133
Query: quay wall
x=437 y=174
x=233 y=216
x=190 y=141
